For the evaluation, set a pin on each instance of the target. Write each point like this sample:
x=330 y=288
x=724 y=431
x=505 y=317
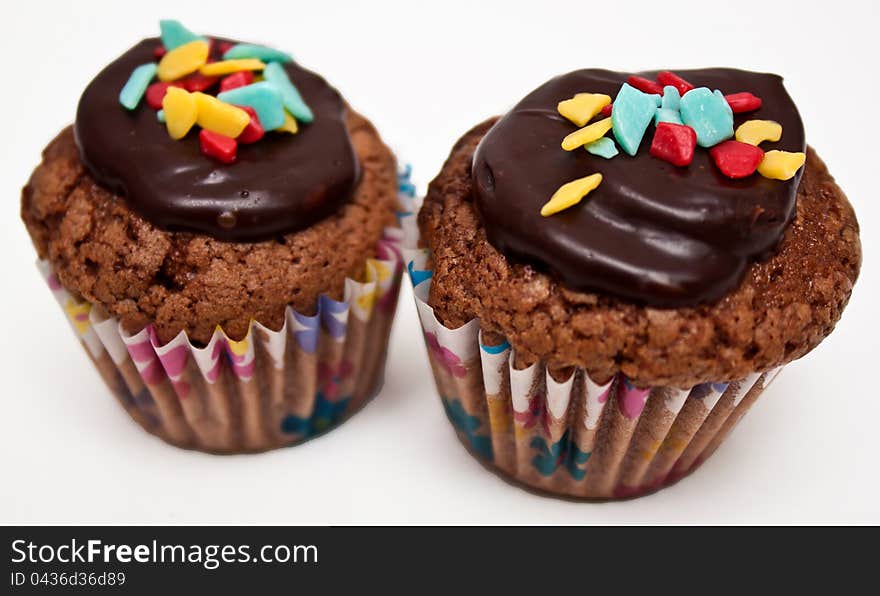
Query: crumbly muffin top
x=784 y=306
x=108 y=254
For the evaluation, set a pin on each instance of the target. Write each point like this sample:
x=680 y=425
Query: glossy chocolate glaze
x=652 y=232
x=279 y=184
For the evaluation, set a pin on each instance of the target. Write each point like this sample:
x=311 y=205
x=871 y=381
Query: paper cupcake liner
x=571 y=437
x=270 y=389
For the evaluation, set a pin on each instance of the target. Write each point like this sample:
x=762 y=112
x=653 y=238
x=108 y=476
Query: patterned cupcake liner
x=570 y=437
x=272 y=388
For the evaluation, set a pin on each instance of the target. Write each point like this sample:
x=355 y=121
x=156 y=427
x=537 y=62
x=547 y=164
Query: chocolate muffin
x=597 y=322
x=234 y=285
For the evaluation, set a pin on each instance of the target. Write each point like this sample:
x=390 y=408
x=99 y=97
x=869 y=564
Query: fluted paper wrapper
x=572 y=437
x=270 y=389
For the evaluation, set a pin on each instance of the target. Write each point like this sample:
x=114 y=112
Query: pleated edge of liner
x=105 y=333
x=461 y=342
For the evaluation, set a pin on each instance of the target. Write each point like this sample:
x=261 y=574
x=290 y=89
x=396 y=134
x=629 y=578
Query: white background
x=425 y=72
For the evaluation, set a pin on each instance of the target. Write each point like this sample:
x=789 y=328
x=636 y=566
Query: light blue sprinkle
x=136 y=86
x=632 y=113
x=708 y=114
x=263 y=97
x=247 y=50
x=160 y=116
x=671 y=98
x=293 y=101
x=603 y=147
x=174 y=34
x=496 y=349
x=667 y=115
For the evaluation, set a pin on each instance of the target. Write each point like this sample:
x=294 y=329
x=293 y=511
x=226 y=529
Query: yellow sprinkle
x=583 y=107
x=224 y=67
x=220 y=117
x=289 y=124
x=570 y=194
x=180 y=112
x=182 y=60
x=781 y=165
x=587 y=134
x=755 y=132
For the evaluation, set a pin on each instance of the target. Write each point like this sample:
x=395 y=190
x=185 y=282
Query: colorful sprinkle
x=667 y=115
x=225 y=67
x=174 y=34
x=183 y=60
x=236 y=80
x=197 y=82
x=218 y=146
x=156 y=93
x=246 y=50
x=136 y=86
x=736 y=159
x=160 y=116
x=781 y=165
x=674 y=143
x=645 y=85
x=633 y=111
x=667 y=78
x=606 y=111
x=274 y=73
x=263 y=97
x=289 y=124
x=180 y=112
x=583 y=107
x=603 y=147
x=671 y=98
x=570 y=194
x=743 y=102
x=708 y=114
x=220 y=117
x=253 y=132
x=587 y=134
x=755 y=132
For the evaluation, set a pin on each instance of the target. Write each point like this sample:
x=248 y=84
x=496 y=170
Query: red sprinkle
x=743 y=102
x=198 y=82
x=253 y=132
x=219 y=147
x=236 y=79
x=223 y=47
x=645 y=85
x=156 y=93
x=159 y=51
x=666 y=77
x=606 y=111
x=735 y=159
x=674 y=143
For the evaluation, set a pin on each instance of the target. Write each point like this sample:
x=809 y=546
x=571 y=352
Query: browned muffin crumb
x=108 y=255
x=784 y=307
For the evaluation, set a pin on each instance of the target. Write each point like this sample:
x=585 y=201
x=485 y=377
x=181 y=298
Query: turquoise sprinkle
x=293 y=101
x=708 y=114
x=633 y=111
x=160 y=116
x=174 y=34
x=496 y=349
x=136 y=86
x=667 y=115
x=603 y=147
x=263 y=97
x=671 y=98
x=247 y=50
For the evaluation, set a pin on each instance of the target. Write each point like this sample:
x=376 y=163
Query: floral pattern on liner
x=573 y=437
x=268 y=390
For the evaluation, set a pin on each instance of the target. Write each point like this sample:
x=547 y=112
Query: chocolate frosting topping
x=280 y=184
x=652 y=232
